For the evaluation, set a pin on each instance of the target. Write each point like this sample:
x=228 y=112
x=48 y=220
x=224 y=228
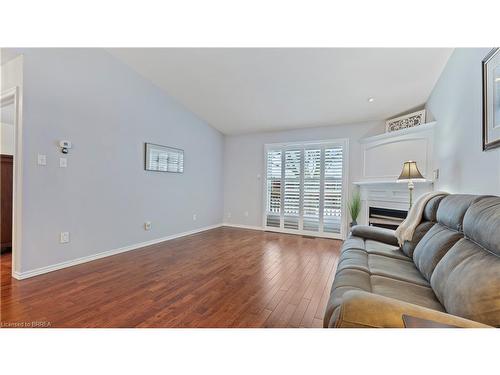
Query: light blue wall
x=456 y=104
x=104 y=196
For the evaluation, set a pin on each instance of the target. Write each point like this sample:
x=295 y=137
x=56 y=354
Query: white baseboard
x=74 y=262
x=284 y=231
x=241 y=226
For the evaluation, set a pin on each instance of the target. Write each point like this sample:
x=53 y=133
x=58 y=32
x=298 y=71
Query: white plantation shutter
x=158 y=160
x=312 y=188
x=304 y=188
x=292 y=189
x=273 y=188
x=332 y=210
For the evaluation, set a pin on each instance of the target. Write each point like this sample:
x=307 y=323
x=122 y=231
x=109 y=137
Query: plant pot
x=354 y=223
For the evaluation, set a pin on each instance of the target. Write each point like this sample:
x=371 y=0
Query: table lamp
x=409 y=173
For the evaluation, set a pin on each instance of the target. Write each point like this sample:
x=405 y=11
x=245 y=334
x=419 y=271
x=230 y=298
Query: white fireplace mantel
x=388 y=194
x=383 y=157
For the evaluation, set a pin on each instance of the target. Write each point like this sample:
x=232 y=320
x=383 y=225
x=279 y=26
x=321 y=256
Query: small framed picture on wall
x=491 y=100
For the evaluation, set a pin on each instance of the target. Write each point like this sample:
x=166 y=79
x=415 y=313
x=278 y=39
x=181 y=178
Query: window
x=304 y=188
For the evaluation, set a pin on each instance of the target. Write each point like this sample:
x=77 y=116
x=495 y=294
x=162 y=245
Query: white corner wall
x=244 y=162
x=11 y=76
x=104 y=196
x=6 y=139
x=456 y=104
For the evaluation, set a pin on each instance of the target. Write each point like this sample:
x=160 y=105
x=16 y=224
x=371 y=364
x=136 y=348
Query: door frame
x=345 y=186
x=7 y=97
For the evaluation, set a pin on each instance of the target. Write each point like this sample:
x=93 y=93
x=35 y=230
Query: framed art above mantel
x=491 y=100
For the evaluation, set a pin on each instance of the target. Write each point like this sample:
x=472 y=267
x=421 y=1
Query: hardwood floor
x=225 y=277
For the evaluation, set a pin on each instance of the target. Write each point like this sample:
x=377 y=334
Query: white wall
x=104 y=195
x=244 y=161
x=11 y=76
x=456 y=104
x=6 y=139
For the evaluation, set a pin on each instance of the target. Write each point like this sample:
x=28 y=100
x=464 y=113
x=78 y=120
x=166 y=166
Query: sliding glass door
x=304 y=188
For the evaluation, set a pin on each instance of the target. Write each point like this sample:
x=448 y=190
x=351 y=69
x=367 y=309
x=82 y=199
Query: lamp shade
x=410 y=171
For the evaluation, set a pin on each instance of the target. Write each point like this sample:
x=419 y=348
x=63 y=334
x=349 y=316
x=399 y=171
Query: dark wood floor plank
x=225 y=277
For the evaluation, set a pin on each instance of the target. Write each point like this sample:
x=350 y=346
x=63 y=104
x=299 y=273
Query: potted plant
x=354 y=207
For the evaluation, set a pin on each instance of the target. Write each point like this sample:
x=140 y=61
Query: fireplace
x=385 y=217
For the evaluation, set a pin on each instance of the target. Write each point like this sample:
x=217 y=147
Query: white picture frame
x=160 y=158
x=491 y=100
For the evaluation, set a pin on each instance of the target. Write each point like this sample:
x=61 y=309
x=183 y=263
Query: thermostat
x=65 y=146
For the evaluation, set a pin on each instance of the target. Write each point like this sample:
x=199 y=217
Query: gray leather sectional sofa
x=448 y=273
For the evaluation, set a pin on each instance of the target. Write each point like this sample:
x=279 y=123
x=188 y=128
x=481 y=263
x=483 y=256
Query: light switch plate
x=436 y=174
x=42 y=159
x=64 y=238
x=63 y=162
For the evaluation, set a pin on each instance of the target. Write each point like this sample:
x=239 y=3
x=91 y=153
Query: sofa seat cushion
x=405 y=291
x=349 y=279
x=374 y=264
x=373 y=247
x=379 y=248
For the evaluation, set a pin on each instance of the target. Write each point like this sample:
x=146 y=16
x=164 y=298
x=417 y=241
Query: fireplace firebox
x=386 y=217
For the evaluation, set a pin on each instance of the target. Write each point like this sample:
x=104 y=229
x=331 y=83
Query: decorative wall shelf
x=390 y=182
x=415 y=129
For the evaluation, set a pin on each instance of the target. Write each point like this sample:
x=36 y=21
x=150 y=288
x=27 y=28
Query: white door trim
x=15 y=94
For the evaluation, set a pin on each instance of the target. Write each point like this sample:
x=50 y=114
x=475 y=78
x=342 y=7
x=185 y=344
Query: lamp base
x=411 y=186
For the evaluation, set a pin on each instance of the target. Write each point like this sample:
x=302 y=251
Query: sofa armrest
x=365 y=310
x=375 y=233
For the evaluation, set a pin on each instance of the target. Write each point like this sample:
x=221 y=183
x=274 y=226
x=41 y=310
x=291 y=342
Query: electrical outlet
x=246 y=213
x=194 y=217
x=63 y=162
x=64 y=238
x=42 y=159
x=147 y=225
x=229 y=215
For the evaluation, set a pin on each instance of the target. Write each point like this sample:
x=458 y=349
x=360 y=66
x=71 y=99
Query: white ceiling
x=239 y=90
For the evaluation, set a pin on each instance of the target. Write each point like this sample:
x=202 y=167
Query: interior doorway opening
x=10 y=179
x=7 y=151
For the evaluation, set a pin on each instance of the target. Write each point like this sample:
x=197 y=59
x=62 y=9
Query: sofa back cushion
x=431 y=208
x=428 y=220
x=467 y=279
x=452 y=209
x=409 y=246
x=444 y=234
x=432 y=247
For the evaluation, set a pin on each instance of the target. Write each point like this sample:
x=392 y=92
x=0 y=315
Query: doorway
x=7 y=142
x=9 y=172
x=305 y=188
